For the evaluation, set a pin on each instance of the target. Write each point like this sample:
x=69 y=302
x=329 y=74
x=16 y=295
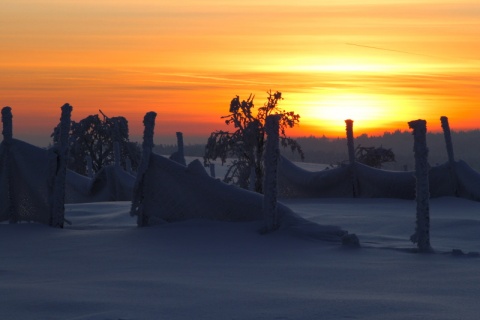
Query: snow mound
x=171 y=192
x=111 y=183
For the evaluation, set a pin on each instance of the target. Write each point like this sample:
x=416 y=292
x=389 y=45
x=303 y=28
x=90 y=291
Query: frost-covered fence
x=422 y=231
x=32 y=180
x=147 y=146
x=179 y=155
x=58 y=207
x=351 y=155
x=272 y=153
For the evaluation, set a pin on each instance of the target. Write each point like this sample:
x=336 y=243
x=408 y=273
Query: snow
x=103 y=266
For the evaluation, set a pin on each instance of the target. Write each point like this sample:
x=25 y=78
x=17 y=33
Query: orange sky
x=381 y=63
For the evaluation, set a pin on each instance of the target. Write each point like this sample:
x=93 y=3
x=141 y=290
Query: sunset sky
x=381 y=63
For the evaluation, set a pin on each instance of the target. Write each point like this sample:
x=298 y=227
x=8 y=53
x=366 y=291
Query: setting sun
x=341 y=106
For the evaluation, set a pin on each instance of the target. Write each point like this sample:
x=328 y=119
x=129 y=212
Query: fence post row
x=147 y=146
x=58 y=206
x=422 y=193
x=272 y=152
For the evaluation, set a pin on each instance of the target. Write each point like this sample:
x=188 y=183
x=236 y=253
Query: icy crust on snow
x=294 y=182
x=26 y=176
x=172 y=192
x=111 y=183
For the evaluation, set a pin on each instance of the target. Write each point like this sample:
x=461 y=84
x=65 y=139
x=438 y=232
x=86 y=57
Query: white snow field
x=103 y=266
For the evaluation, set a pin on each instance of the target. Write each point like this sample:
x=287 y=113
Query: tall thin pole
x=451 y=159
x=7 y=124
x=351 y=155
x=272 y=152
x=58 y=207
x=448 y=139
x=138 y=192
x=7 y=140
x=422 y=231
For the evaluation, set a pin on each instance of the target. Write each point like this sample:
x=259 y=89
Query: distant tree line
x=334 y=151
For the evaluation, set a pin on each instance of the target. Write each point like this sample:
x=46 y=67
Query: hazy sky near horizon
x=380 y=63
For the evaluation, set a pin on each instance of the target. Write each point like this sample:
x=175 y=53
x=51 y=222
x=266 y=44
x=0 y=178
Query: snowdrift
x=169 y=192
x=363 y=181
x=111 y=183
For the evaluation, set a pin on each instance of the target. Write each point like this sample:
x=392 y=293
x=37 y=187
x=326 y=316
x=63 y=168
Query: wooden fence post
x=422 y=231
x=7 y=140
x=272 y=152
x=351 y=155
x=448 y=139
x=451 y=159
x=7 y=124
x=138 y=192
x=58 y=206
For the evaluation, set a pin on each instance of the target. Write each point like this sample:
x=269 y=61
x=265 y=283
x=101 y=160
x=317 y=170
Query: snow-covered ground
x=104 y=267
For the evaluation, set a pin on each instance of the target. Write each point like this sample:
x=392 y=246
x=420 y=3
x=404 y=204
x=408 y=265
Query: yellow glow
x=341 y=106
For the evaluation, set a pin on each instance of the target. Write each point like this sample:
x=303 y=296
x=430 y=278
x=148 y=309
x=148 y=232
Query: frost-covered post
x=448 y=142
x=147 y=146
x=180 y=147
x=272 y=152
x=179 y=155
x=448 y=139
x=422 y=231
x=7 y=139
x=351 y=154
x=7 y=124
x=58 y=206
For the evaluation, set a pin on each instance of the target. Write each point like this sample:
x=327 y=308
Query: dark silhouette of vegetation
x=332 y=151
x=374 y=157
x=246 y=144
x=95 y=137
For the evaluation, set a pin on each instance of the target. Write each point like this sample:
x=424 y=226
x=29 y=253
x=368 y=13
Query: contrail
x=391 y=50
